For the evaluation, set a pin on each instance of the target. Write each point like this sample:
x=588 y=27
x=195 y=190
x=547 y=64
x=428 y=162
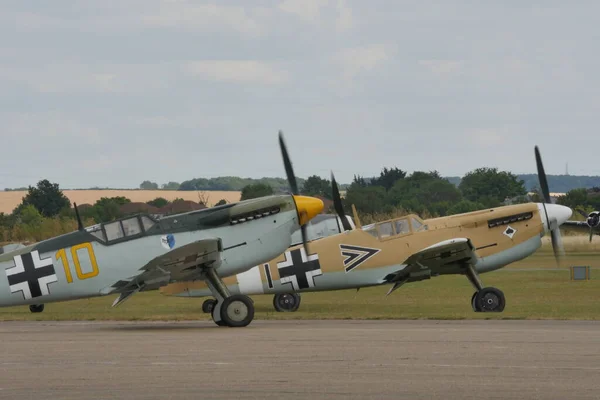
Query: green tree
x=317 y=186
x=366 y=199
x=577 y=199
x=171 y=186
x=253 y=191
x=29 y=215
x=158 y=202
x=221 y=202
x=490 y=186
x=536 y=195
x=147 y=185
x=358 y=181
x=47 y=198
x=465 y=206
x=6 y=220
x=388 y=177
x=424 y=191
x=106 y=209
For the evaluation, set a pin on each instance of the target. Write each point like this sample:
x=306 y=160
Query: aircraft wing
x=445 y=255
x=181 y=263
x=577 y=225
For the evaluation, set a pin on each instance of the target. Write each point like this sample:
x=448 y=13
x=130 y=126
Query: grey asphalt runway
x=301 y=360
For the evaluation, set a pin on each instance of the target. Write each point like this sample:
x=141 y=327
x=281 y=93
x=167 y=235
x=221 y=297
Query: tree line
x=557 y=183
x=45 y=211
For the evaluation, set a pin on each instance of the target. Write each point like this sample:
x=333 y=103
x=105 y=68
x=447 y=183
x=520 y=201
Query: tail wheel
x=208 y=306
x=36 y=308
x=286 y=302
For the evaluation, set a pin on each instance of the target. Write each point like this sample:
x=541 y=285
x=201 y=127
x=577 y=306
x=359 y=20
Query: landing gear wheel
x=286 y=302
x=474 y=304
x=208 y=306
x=237 y=311
x=490 y=299
x=36 y=308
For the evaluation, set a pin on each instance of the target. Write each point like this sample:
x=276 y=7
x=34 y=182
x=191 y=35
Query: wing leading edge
x=577 y=225
x=181 y=263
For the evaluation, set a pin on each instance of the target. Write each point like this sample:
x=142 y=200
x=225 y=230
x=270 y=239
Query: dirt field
x=9 y=200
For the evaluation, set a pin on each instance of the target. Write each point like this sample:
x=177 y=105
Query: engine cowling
x=593 y=219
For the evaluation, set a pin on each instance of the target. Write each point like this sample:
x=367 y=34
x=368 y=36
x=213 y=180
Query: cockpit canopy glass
x=123 y=228
x=396 y=227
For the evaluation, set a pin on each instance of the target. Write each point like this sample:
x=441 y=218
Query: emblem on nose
x=510 y=232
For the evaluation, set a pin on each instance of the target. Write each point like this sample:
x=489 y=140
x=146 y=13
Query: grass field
x=535 y=289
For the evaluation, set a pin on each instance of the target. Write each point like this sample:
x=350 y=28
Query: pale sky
x=111 y=93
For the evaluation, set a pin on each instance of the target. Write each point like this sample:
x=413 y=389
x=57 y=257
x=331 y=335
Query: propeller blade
x=543 y=183
x=337 y=204
x=304 y=239
x=557 y=245
x=583 y=213
x=289 y=171
x=542 y=176
x=306 y=210
x=553 y=227
x=591 y=233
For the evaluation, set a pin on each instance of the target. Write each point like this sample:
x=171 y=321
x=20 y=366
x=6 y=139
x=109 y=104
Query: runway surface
x=301 y=360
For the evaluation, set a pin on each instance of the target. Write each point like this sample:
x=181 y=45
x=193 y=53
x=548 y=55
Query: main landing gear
x=485 y=299
x=227 y=310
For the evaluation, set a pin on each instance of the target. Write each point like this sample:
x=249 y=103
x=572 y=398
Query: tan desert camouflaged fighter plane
x=139 y=253
x=403 y=250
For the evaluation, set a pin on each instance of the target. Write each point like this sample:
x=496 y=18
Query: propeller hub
x=557 y=215
x=308 y=208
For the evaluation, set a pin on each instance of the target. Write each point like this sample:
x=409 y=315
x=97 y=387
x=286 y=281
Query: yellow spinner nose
x=308 y=207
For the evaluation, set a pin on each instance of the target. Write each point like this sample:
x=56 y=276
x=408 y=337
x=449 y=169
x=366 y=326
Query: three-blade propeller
x=552 y=224
x=338 y=206
x=289 y=171
x=592 y=220
x=303 y=219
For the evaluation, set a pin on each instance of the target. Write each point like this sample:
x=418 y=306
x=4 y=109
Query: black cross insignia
x=298 y=269
x=31 y=275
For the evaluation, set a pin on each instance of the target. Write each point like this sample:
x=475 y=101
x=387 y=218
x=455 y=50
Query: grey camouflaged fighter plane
x=140 y=253
x=405 y=250
x=591 y=223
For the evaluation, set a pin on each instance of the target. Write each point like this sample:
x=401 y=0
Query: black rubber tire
x=286 y=302
x=237 y=311
x=491 y=299
x=208 y=306
x=36 y=308
x=474 y=304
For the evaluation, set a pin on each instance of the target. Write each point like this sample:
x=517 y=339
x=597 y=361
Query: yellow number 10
x=62 y=255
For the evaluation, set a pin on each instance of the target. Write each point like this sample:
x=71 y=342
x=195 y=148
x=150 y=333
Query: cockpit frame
x=396 y=227
x=122 y=229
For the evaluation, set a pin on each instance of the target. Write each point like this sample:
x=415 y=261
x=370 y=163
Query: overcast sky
x=110 y=93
